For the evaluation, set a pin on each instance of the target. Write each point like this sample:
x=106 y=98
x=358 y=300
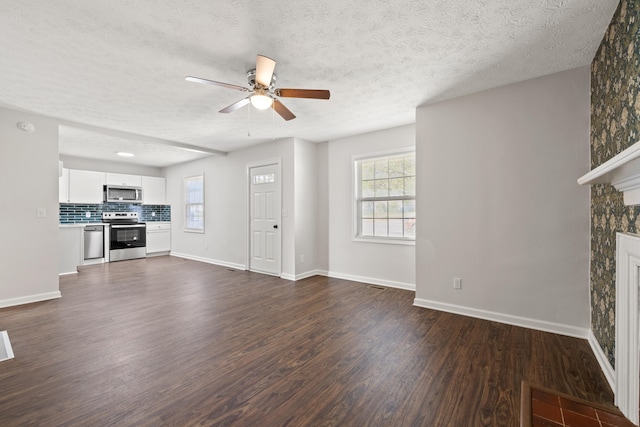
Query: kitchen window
x=194 y=204
x=385 y=202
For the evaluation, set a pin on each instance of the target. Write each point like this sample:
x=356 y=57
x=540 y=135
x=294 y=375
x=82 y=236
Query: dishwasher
x=93 y=241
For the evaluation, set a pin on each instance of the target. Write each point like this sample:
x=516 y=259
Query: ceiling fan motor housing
x=251 y=80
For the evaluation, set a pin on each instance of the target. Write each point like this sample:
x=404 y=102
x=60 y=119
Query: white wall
x=28 y=181
x=499 y=206
x=316 y=192
x=392 y=265
x=226 y=199
x=322 y=203
x=306 y=206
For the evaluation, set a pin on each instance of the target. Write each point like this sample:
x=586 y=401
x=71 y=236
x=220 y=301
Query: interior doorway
x=264 y=219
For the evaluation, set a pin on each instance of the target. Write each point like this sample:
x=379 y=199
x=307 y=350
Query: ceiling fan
x=261 y=82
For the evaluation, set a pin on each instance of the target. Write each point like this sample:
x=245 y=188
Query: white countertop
x=81 y=224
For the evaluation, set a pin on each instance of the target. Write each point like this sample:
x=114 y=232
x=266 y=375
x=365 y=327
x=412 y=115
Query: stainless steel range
x=127 y=236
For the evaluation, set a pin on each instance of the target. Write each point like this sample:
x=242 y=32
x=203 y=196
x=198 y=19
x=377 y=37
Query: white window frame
x=188 y=205
x=357 y=199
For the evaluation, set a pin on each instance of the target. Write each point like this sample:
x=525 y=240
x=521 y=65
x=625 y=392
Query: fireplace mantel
x=621 y=171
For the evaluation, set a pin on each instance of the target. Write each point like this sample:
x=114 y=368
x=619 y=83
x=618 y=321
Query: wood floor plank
x=168 y=341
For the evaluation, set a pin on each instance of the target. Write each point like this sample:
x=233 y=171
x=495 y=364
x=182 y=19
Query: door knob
x=275 y=226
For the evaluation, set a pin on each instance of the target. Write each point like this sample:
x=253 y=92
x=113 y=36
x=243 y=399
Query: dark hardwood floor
x=167 y=341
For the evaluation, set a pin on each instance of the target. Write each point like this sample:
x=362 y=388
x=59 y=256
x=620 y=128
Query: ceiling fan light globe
x=261 y=102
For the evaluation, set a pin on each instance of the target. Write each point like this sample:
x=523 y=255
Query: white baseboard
x=29 y=299
x=525 y=322
x=209 y=261
x=68 y=273
x=292 y=277
x=603 y=361
x=153 y=254
x=302 y=275
x=371 y=280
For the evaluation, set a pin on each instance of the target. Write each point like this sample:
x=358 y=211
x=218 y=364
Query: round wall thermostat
x=26 y=126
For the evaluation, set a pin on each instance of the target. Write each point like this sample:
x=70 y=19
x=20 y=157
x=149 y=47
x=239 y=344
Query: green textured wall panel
x=615 y=113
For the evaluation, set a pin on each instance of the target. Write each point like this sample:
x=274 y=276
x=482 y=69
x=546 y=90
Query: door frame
x=277 y=161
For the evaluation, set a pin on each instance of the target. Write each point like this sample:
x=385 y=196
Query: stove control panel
x=119 y=215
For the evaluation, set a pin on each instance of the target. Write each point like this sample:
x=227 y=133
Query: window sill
x=400 y=242
x=193 y=231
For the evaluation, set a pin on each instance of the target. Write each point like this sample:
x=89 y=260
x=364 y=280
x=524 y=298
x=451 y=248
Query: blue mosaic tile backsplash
x=72 y=213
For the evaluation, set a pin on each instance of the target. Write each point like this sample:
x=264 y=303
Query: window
x=264 y=178
x=194 y=204
x=386 y=197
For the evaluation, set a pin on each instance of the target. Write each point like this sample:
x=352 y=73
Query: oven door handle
x=130 y=226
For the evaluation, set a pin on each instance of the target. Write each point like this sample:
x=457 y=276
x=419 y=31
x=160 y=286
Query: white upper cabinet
x=85 y=186
x=80 y=186
x=63 y=186
x=153 y=190
x=123 y=179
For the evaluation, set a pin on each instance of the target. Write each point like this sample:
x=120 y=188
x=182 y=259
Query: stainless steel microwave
x=122 y=194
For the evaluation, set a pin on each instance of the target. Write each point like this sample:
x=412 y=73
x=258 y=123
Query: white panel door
x=265 y=219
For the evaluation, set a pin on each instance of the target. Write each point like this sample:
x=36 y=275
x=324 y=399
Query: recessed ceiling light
x=123 y=154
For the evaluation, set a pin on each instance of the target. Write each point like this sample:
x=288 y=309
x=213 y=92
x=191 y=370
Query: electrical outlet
x=206 y=246
x=41 y=212
x=87 y=214
x=301 y=258
x=457 y=283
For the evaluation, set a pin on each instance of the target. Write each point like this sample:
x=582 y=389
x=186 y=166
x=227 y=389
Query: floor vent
x=377 y=287
x=6 y=352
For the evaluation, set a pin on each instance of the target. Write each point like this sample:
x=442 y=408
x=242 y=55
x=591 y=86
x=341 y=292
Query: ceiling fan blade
x=284 y=112
x=303 y=93
x=264 y=70
x=214 y=83
x=236 y=105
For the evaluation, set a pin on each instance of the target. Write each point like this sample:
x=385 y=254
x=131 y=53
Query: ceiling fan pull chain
x=249 y=121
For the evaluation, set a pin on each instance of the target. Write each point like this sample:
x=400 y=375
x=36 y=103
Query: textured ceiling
x=120 y=64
